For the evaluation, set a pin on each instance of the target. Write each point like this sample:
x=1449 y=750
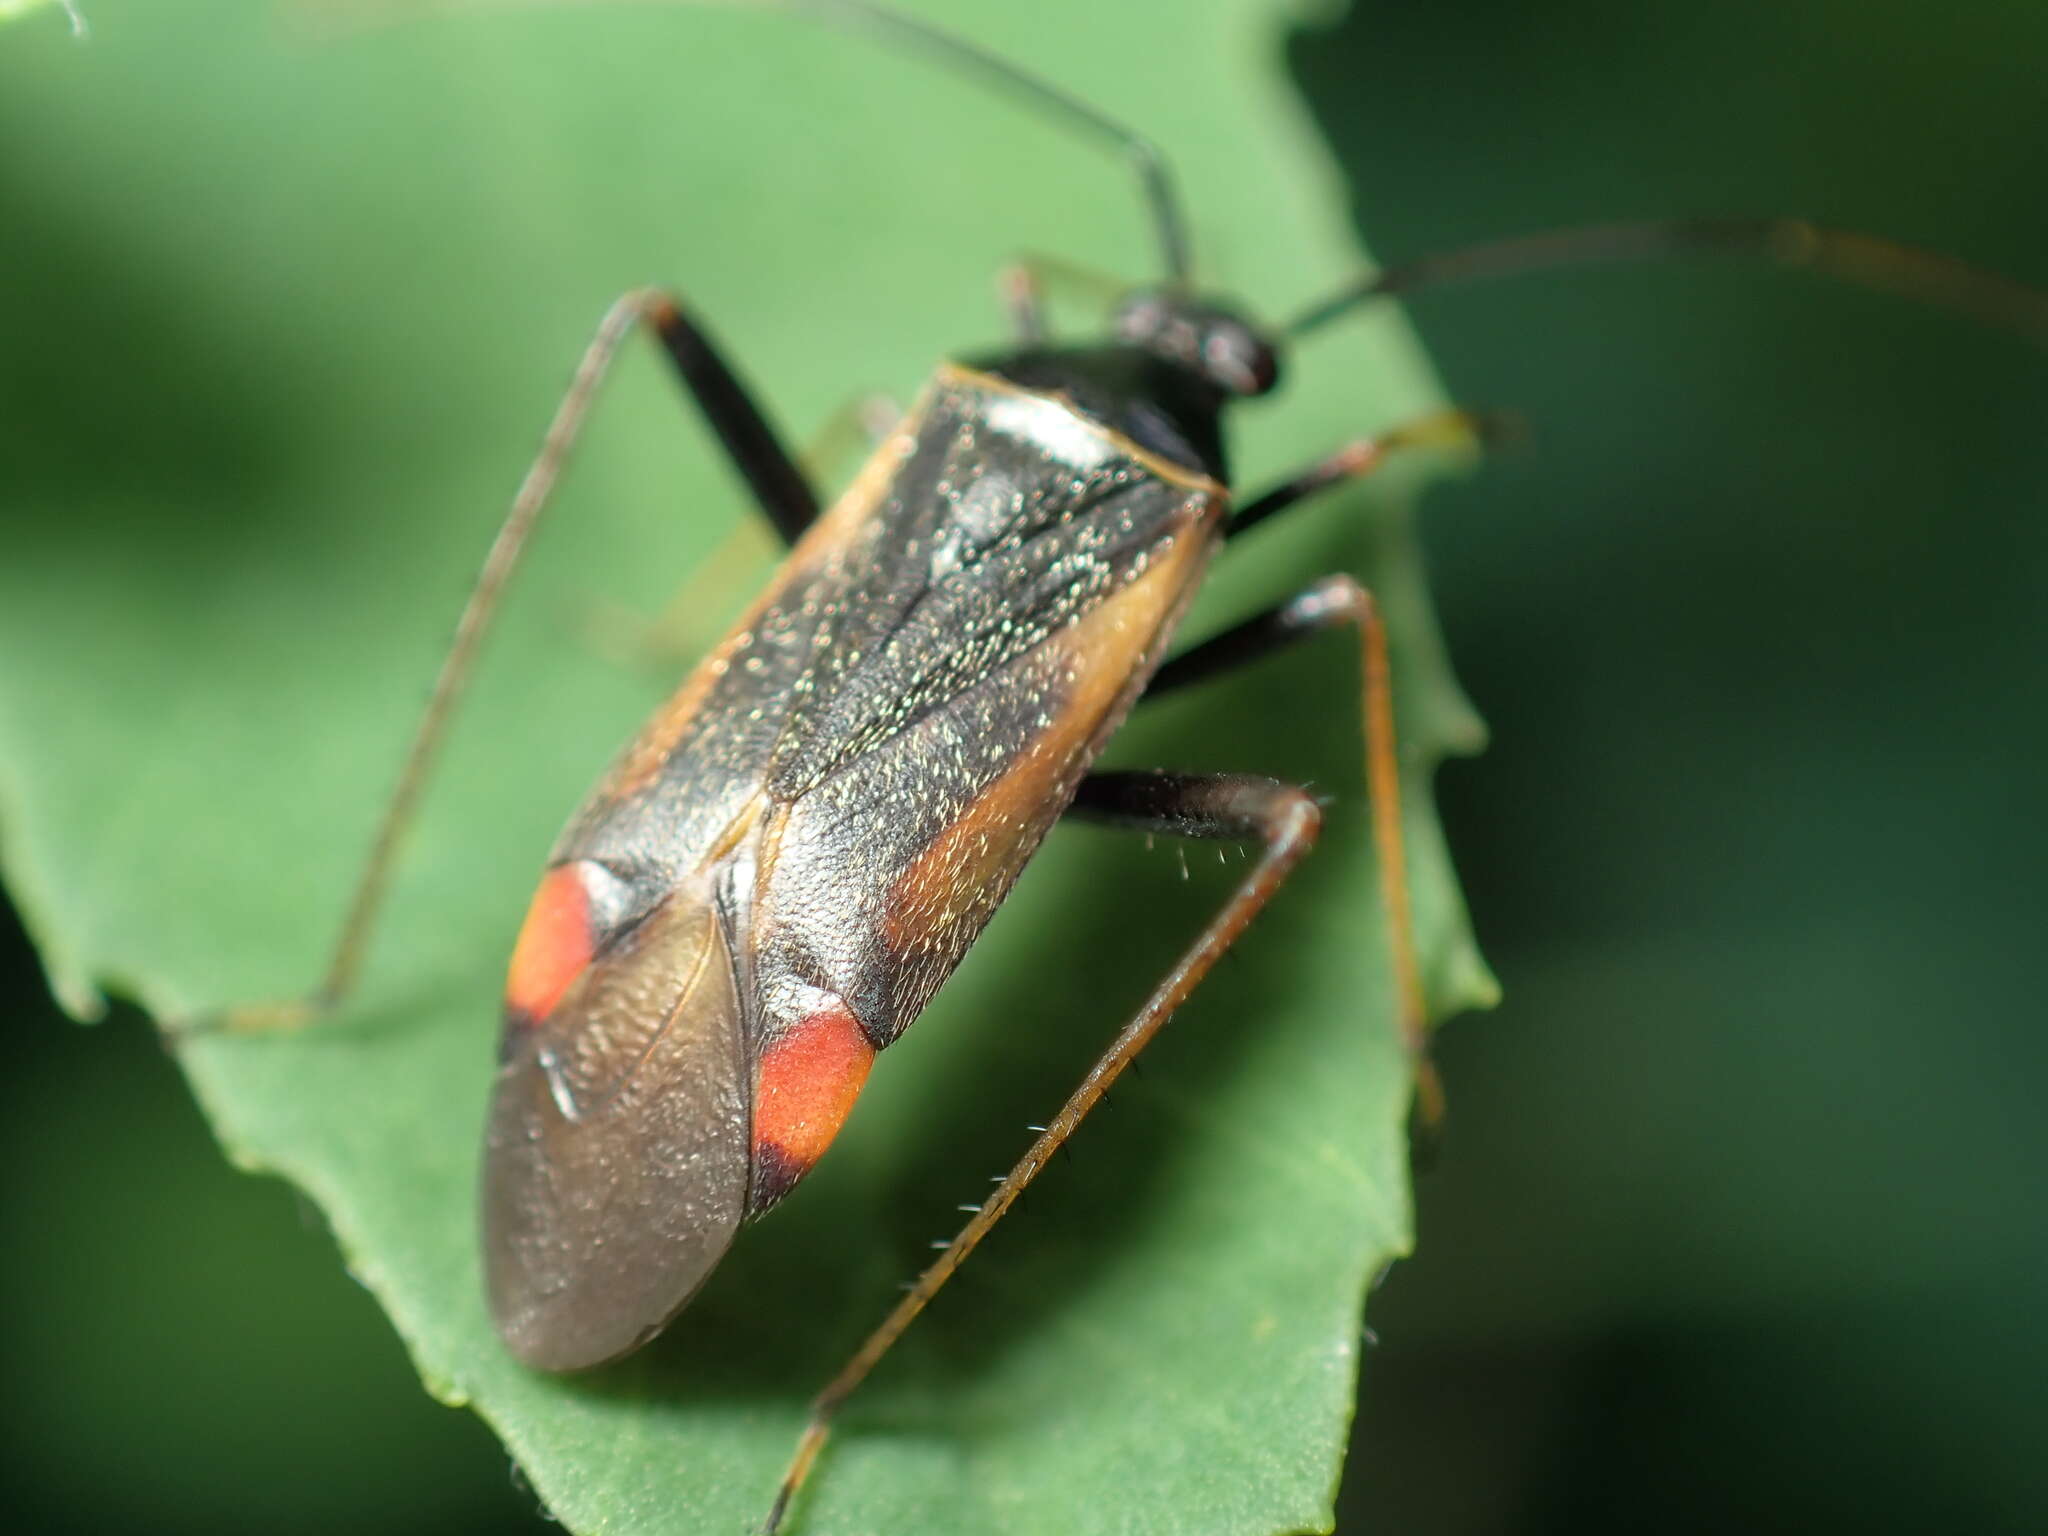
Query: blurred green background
x=1742 y=1216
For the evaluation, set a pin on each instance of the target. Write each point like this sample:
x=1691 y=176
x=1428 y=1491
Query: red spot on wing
x=554 y=947
x=804 y=1089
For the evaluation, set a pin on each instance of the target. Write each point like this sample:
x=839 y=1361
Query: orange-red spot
x=806 y=1086
x=554 y=944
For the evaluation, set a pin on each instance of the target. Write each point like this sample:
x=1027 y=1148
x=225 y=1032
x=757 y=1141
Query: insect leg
x=1324 y=604
x=1022 y=285
x=1327 y=604
x=697 y=611
x=1022 y=291
x=1284 y=820
x=780 y=488
x=859 y=426
x=1333 y=601
x=1442 y=429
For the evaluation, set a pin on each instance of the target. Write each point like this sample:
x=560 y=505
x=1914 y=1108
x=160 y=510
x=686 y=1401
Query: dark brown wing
x=616 y=1164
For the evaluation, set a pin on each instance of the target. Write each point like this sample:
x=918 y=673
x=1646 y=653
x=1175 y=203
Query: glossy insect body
x=780 y=870
x=777 y=874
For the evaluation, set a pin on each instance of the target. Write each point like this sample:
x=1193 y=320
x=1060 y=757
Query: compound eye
x=1237 y=361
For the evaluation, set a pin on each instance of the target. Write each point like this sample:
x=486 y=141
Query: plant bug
x=781 y=869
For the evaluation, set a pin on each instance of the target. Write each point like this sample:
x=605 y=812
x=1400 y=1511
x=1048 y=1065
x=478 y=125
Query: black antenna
x=910 y=32
x=1866 y=260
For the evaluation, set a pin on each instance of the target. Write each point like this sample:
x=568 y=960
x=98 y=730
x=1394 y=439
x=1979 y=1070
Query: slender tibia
x=1284 y=820
x=755 y=451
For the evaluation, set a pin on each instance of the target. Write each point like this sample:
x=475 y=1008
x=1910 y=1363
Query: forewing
x=617 y=1159
x=884 y=872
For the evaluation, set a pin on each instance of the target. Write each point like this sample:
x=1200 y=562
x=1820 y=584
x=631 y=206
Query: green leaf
x=296 y=307
x=14 y=10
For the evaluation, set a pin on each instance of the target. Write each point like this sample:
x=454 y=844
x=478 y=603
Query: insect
x=785 y=864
